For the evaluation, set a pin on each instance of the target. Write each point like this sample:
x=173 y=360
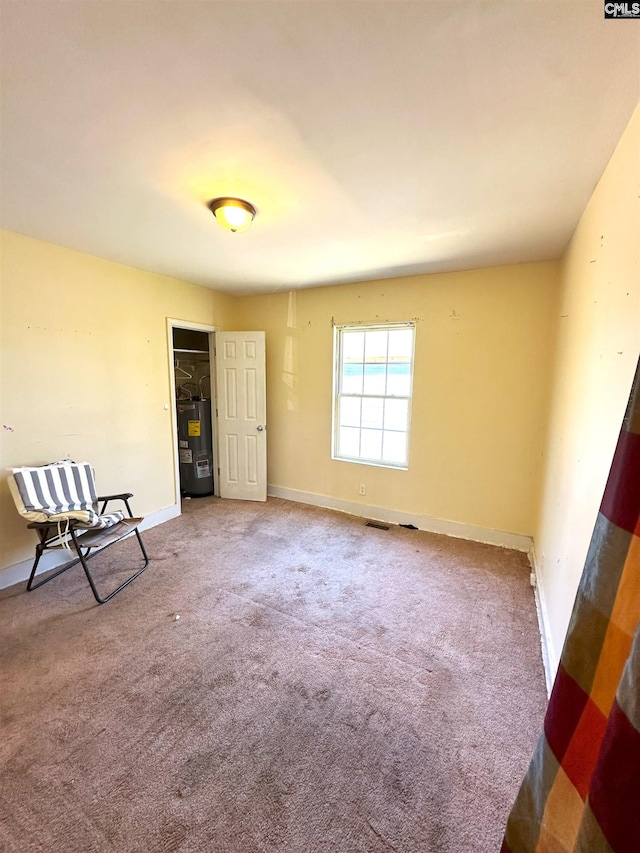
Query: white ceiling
x=376 y=139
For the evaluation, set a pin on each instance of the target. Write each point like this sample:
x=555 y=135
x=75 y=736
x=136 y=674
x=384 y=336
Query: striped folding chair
x=61 y=504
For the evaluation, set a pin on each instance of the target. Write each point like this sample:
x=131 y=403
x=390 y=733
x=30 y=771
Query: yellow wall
x=85 y=371
x=483 y=360
x=598 y=346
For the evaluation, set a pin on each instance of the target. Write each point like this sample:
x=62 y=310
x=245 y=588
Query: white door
x=242 y=428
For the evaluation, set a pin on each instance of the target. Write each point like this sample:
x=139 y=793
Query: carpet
x=328 y=687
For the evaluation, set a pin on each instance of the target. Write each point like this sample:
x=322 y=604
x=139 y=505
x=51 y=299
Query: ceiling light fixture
x=234 y=214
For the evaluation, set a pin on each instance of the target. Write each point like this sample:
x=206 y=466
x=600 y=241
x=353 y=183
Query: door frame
x=172 y=324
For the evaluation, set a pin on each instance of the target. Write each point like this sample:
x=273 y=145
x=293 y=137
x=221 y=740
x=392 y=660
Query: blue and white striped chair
x=61 y=503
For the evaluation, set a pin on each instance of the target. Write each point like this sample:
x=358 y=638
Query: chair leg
x=35 y=566
x=142 y=548
x=83 y=558
x=39 y=552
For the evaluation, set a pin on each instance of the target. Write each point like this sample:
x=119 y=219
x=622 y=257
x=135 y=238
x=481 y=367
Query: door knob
x=260 y=428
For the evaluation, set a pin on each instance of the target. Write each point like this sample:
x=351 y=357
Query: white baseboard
x=159 y=516
x=515 y=541
x=550 y=659
x=20 y=571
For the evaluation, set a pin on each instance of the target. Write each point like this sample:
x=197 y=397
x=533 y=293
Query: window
x=372 y=399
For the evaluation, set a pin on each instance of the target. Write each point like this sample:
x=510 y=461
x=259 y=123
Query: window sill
x=372 y=462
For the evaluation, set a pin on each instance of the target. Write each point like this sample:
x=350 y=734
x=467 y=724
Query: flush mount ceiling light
x=234 y=214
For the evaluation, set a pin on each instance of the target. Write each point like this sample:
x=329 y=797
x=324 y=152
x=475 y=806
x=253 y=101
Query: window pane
x=400 y=344
x=399 y=380
x=372 y=401
x=376 y=346
x=375 y=376
x=350 y=411
x=351 y=379
x=372 y=409
x=353 y=346
x=371 y=444
x=395 y=414
x=349 y=443
x=395 y=448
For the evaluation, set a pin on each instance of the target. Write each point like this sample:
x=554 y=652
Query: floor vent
x=377 y=524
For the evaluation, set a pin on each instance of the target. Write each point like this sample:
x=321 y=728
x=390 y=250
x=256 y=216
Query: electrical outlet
x=363 y=489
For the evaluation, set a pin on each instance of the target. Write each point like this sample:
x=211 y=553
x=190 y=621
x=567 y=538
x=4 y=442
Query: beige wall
x=484 y=347
x=598 y=345
x=85 y=371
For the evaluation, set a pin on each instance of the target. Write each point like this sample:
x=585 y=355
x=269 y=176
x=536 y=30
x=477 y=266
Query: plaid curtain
x=581 y=793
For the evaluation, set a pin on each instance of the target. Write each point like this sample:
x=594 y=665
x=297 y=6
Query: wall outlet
x=363 y=489
x=532 y=579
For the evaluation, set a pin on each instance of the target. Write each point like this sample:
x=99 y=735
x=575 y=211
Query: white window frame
x=337 y=393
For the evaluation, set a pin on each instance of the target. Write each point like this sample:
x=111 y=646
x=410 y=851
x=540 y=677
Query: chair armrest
x=104 y=500
x=123 y=497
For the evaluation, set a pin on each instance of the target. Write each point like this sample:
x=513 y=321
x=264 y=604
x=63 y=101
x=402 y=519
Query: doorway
x=237 y=373
x=192 y=369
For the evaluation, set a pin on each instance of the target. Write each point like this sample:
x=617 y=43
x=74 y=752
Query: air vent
x=378 y=524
